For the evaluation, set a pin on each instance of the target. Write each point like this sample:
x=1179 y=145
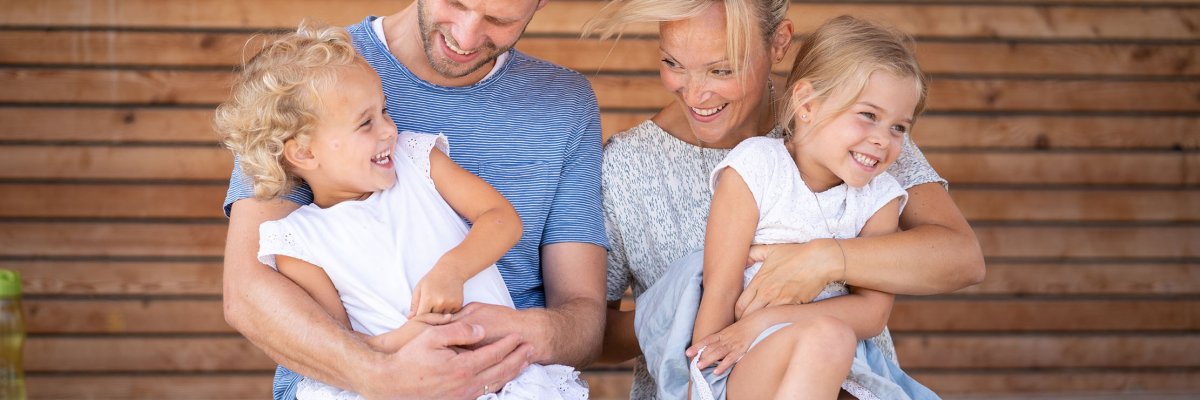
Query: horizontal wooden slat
x=1088 y=242
x=1068 y=168
x=184 y=386
x=225 y=50
x=567 y=17
x=613 y=91
x=1078 y=205
x=112 y=239
x=916 y=314
x=106 y=162
x=1003 y=278
x=1047 y=351
x=120 y=316
x=213 y=163
x=917 y=351
x=614 y=385
x=112 y=201
x=34 y=239
x=1089 y=279
x=117 y=124
x=125 y=316
x=204 y=201
x=118 y=277
x=1061 y=384
x=139 y=124
x=227 y=353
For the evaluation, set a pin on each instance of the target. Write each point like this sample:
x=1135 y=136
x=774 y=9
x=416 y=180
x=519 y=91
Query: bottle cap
x=10 y=283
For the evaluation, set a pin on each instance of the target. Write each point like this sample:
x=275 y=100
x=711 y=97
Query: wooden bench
x=1070 y=130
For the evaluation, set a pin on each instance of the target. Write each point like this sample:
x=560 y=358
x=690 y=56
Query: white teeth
x=864 y=160
x=708 y=111
x=382 y=158
x=454 y=48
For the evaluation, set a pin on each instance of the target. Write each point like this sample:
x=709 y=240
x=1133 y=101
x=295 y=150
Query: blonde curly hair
x=841 y=55
x=275 y=99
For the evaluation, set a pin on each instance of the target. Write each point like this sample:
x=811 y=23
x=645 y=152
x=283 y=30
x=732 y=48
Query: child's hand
x=439 y=292
x=727 y=346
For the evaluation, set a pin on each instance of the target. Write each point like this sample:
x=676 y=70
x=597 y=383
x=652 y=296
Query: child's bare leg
x=806 y=362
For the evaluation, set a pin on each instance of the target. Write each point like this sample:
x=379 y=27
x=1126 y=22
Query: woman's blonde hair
x=275 y=98
x=841 y=55
x=741 y=19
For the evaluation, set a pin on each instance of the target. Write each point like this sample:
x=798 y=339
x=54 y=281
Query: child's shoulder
x=758 y=146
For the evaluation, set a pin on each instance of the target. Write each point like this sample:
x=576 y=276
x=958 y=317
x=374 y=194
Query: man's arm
x=570 y=329
x=281 y=319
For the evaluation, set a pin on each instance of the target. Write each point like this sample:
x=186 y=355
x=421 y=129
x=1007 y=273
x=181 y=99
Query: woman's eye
x=722 y=72
x=670 y=63
x=869 y=116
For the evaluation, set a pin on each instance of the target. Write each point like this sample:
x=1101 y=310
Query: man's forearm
x=574 y=329
x=277 y=315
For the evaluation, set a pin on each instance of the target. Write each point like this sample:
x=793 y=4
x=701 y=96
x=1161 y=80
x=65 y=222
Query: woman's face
x=721 y=107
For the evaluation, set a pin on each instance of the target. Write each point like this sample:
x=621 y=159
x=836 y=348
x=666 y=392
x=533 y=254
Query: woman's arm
x=937 y=252
x=495 y=228
x=731 y=224
x=620 y=341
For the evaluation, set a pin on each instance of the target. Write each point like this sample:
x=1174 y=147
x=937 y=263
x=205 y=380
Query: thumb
x=759 y=253
x=454 y=334
x=416 y=301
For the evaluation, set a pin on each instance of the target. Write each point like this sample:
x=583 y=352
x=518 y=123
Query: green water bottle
x=12 y=337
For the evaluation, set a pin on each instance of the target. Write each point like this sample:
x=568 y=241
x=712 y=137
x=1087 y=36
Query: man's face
x=462 y=36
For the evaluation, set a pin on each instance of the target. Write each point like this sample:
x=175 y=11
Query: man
x=529 y=128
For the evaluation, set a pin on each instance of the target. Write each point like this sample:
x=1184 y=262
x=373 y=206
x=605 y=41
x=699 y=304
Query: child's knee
x=827 y=332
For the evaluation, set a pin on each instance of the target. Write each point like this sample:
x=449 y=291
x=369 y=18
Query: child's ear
x=806 y=107
x=298 y=155
x=781 y=41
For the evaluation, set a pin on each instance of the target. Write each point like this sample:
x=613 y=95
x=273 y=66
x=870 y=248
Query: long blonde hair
x=740 y=19
x=841 y=55
x=274 y=99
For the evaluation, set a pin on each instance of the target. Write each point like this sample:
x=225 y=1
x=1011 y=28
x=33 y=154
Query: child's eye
x=899 y=130
x=365 y=123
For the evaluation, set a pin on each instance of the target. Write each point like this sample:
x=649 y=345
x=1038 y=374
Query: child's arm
x=313 y=280
x=495 y=228
x=732 y=221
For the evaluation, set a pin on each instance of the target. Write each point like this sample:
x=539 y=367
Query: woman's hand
x=728 y=345
x=439 y=291
x=790 y=274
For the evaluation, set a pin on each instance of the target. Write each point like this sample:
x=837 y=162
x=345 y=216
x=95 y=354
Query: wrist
x=834 y=265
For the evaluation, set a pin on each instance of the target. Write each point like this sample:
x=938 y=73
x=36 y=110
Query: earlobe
x=782 y=40
x=299 y=156
x=806 y=106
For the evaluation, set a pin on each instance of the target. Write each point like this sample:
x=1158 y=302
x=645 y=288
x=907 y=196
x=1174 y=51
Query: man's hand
x=502 y=321
x=432 y=365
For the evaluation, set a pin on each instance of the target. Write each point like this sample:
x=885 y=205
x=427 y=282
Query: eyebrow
x=872 y=105
x=669 y=55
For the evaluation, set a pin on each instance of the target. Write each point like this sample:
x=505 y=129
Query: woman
x=716 y=60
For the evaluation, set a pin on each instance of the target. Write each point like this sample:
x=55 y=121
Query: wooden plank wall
x=1070 y=130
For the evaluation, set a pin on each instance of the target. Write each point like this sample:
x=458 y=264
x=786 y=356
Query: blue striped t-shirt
x=531 y=129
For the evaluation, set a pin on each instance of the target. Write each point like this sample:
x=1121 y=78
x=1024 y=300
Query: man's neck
x=403 y=35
